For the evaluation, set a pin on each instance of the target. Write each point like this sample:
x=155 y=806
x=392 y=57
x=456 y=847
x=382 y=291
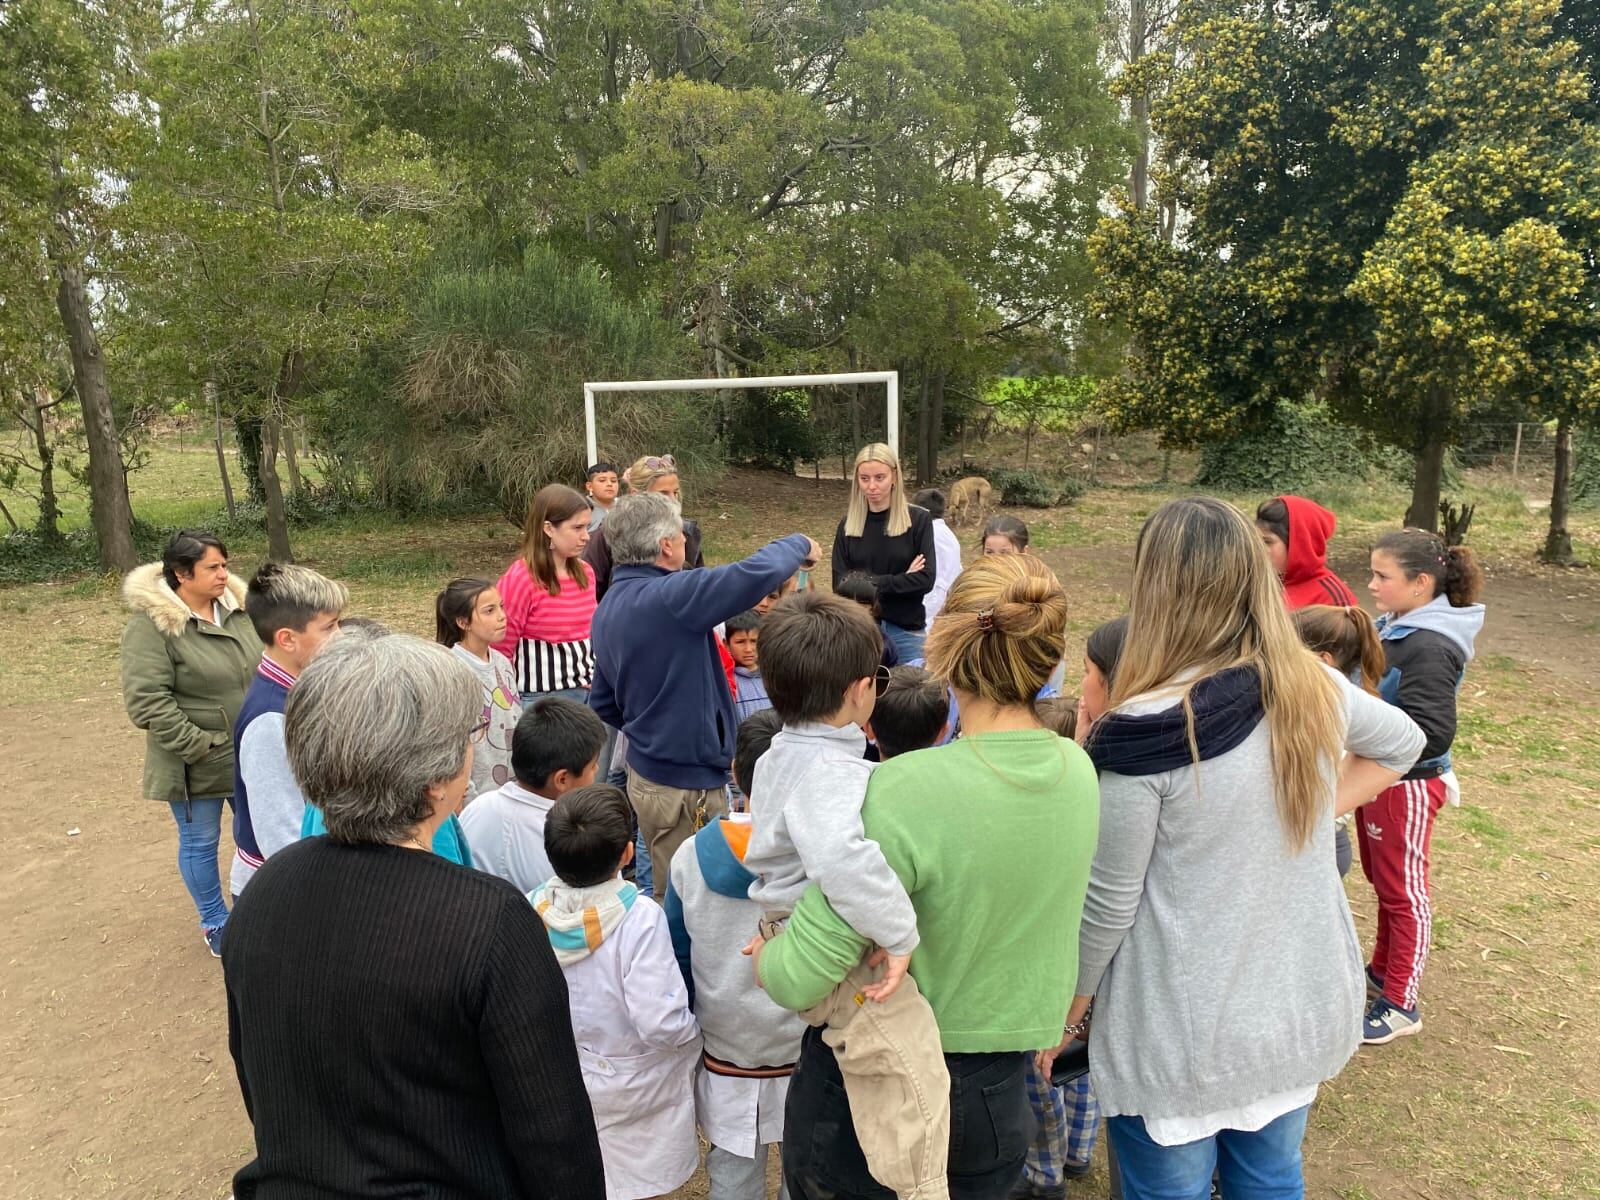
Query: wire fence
x=1517 y=447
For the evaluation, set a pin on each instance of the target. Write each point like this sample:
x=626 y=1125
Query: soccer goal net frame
x=890 y=380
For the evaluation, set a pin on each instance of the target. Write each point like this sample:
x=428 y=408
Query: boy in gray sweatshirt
x=820 y=659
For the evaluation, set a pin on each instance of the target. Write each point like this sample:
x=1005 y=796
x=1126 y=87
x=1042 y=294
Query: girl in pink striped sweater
x=549 y=596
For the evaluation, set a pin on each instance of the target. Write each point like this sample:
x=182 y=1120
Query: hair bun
x=1031 y=605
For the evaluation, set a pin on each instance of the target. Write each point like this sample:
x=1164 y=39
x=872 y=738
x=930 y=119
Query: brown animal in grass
x=968 y=499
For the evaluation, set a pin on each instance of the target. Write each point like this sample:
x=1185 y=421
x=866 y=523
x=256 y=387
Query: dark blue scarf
x=1227 y=706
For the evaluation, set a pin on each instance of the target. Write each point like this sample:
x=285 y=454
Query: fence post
x=1516 y=453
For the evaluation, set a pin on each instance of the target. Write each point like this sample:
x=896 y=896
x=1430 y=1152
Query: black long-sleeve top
x=399 y=1025
x=886 y=558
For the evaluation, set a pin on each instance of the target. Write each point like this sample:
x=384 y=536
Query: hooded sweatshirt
x=1306 y=577
x=711 y=919
x=809 y=787
x=637 y=1040
x=1427 y=651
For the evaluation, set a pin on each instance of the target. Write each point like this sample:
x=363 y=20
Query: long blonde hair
x=855 y=517
x=1002 y=629
x=1205 y=599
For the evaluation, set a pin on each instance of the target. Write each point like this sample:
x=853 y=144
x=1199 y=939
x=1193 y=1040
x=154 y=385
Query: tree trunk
x=1427 y=479
x=1558 y=542
x=49 y=523
x=222 y=458
x=923 y=477
x=1139 y=172
x=289 y=458
x=935 y=425
x=6 y=513
x=277 y=517
x=247 y=429
x=109 y=510
x=288 y=383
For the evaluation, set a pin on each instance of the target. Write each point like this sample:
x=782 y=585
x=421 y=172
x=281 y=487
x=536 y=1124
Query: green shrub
x=1032 y=489
x=1303 y=446
x=481 y=395
x=25 y=557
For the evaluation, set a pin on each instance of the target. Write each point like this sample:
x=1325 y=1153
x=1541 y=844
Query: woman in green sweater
x=998 y=951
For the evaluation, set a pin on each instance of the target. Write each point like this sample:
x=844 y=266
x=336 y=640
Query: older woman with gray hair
x=398 y=1022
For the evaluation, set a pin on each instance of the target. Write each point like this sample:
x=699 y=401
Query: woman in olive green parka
x=188 y=655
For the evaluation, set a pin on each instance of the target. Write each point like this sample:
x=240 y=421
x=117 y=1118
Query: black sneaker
x=1025 y=1190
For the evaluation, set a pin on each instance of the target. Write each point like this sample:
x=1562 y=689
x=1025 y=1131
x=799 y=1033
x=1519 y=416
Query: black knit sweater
x=885 y=558
x=400 y=1028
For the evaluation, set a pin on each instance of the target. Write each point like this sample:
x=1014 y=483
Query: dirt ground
x=115 y=1079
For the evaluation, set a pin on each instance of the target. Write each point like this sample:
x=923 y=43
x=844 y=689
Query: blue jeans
x=907 y=642
x=617 y=775
x=1264 y=1165
x=199 y=829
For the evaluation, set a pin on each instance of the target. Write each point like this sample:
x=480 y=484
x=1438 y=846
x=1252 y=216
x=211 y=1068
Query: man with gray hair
x=657 y=673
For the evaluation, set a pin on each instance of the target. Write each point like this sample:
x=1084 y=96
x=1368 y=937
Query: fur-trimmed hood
x=145 y=591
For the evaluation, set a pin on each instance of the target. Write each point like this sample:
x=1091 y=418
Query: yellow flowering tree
x=1390 y=205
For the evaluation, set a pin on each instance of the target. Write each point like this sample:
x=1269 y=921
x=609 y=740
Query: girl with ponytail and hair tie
x=1216 y=942
x=958 y=824
x=1427 y=593
x=1345 y=638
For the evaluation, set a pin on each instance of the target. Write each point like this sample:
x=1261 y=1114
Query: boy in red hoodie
x=1296 y=533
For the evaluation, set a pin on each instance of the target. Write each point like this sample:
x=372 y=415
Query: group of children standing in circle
x=527 y=637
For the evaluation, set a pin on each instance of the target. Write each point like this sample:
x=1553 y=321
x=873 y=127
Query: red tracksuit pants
x=1394 y=830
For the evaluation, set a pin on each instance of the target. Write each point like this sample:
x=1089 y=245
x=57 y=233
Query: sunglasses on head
x=880 y=681
x=658 y=462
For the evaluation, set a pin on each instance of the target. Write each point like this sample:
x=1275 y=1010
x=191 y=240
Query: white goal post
x=890 y=380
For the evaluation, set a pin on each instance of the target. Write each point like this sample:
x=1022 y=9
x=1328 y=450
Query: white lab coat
x=505 y=830
x=639 y=1048
x=946 y=566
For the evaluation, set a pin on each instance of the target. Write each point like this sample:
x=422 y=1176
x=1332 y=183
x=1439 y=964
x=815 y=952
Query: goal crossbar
x=890 y=380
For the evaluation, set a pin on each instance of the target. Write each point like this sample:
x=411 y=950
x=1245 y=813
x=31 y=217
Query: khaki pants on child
x=892 y=1063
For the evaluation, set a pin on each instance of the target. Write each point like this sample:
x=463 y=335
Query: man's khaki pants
x=892 y=1062
x=668 y=817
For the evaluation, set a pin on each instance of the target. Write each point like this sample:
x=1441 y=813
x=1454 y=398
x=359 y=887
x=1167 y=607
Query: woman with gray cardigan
x=1216 y=941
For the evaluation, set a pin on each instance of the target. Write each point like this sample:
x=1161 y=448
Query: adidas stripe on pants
x=1393 y=831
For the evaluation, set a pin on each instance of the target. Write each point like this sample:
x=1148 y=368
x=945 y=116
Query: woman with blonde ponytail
x=1216 y=941
x=998 y=944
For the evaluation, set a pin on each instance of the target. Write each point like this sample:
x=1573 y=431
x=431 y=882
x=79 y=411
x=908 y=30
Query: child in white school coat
x=751 y=1043
x=637 y=1041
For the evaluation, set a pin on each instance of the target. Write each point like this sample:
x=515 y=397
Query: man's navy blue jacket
x=657 y=674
